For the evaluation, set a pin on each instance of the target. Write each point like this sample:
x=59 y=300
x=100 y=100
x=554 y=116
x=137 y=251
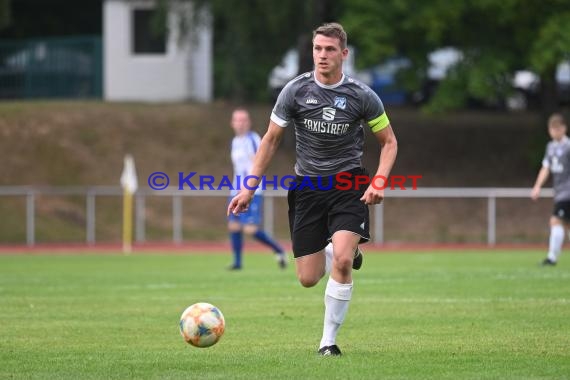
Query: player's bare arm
x=267 y=148
x=389 y=150
x=540 y=181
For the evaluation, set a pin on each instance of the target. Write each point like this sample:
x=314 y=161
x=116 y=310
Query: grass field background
x=441 y=315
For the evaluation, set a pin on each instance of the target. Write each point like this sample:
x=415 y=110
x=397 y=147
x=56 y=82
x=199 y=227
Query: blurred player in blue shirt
x=244 y=146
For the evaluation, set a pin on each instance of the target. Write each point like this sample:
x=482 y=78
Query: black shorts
x=316 y=214
x=562 y=210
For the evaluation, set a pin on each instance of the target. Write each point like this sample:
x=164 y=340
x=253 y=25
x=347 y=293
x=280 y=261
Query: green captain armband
x=379 y=123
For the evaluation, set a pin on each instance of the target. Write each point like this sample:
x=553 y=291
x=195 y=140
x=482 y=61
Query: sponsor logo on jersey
x=312 y=101
x=328 y=113
x=340 y=102
x=319 y=126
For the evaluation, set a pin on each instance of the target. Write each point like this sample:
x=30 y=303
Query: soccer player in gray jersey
x=556 y=161
x=327 y=110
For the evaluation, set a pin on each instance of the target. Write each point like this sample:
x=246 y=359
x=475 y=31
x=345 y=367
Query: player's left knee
x=343 y=262
x=250 y=229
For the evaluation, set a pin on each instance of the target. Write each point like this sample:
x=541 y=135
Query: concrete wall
x=183 y=73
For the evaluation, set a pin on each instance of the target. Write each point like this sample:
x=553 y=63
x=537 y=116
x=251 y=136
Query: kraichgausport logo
x=343 y=181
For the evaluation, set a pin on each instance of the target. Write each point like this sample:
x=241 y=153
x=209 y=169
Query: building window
x=147 y=36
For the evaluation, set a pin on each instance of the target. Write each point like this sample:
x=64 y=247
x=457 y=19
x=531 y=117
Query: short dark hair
x=556 y=120
x=334 y=30
x=240 y=109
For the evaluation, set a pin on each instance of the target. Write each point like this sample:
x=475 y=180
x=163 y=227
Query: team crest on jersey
x=340 y=102
x=328 y=113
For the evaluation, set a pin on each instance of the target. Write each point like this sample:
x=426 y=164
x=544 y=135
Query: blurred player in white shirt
x=244 y=146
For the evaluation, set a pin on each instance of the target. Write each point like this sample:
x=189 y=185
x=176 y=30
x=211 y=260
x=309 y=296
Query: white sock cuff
x=328 y=258
x=338 y=291
x=329 y=249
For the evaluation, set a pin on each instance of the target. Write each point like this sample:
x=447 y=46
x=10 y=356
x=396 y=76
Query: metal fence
x=70 y=67
x=92 y=193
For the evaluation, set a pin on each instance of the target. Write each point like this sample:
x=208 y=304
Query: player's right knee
x=343 y=263
x=250 y=229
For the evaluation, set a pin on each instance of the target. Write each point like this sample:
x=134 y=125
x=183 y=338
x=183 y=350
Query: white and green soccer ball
x=202 y=324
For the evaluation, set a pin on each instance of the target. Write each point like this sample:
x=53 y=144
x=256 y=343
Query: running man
x=328 y=110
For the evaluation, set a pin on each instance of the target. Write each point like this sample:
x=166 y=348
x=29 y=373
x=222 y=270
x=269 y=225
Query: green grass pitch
x=440 y=315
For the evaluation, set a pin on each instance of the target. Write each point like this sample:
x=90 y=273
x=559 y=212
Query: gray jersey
x=328 y=122
x=557 y=160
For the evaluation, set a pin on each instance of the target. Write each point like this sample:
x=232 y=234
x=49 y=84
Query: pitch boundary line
x=249 y=247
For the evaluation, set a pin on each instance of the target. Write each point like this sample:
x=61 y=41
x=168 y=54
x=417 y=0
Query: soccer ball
x=202 y=324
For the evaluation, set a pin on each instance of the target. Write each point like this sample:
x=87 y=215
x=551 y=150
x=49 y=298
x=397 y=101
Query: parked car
x=383 y=80
x=440 y=61
x=45 y=70
x=526 y=85
x=288 y=69
x=284 y=72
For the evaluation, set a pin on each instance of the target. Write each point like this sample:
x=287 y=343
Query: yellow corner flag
x=129 y=185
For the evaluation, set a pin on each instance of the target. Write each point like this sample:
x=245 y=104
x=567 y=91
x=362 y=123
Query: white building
x=141 y=66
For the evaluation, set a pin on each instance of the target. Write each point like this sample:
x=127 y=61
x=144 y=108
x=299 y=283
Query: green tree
x=496 y=37
x=5 y=14
x=251 y=36
x=38 y=19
